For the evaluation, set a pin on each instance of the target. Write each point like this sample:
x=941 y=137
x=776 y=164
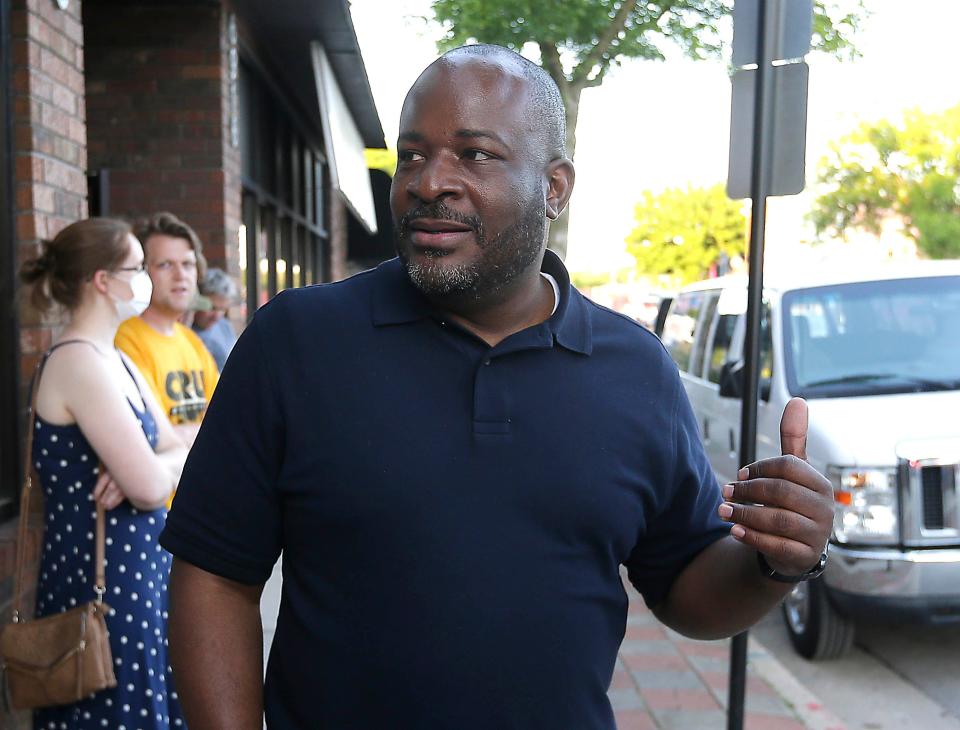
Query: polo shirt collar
x=397 y=301
x=570 y=324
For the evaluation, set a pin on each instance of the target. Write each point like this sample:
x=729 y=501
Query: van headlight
x=865 y=505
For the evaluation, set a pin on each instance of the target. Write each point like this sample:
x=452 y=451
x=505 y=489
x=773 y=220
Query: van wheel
x=816 y=630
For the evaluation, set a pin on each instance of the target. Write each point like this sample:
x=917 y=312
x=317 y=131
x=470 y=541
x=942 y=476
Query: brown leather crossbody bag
x=61 y=658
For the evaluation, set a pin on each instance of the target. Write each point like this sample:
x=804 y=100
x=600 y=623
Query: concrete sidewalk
x=664 y=681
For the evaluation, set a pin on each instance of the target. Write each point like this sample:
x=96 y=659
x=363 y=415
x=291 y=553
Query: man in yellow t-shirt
x=179 y=369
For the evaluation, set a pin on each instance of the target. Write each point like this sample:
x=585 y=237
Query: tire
x=815 y=628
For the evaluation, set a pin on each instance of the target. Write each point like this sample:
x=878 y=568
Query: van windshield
x=876 y=337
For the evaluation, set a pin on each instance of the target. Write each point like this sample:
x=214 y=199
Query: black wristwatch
x=770 y=573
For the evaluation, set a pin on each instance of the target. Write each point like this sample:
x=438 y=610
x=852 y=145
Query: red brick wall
x=157 y=115
x=50 y=188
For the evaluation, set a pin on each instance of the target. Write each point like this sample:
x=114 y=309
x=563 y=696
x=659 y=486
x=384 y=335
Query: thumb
x=793 y=429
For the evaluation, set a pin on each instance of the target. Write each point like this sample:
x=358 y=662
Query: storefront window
x=283 y=176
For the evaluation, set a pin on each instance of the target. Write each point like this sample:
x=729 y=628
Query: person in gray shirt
x=212 y=325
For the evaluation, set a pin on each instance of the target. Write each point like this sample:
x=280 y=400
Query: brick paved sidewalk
x=664 y=681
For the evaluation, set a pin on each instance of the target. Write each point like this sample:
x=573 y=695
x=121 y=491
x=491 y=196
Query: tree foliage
x=908 y=168
x=684 y=232
x=589 y=279
x=581 y=40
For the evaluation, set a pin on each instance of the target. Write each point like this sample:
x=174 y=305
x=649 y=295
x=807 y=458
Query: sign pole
x=759 y=186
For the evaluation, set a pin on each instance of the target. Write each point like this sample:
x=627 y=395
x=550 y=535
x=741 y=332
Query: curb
x=807 y=706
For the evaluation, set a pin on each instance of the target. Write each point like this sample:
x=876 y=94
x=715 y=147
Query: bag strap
x=100 y=586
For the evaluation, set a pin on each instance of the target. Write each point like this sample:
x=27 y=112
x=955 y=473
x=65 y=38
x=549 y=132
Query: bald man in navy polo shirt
x=456 y=452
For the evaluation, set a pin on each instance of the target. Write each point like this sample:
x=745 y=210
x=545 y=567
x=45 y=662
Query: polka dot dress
x=137 y=569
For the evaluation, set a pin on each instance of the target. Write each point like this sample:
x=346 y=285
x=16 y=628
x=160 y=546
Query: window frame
x=738 y=339
x=282 y=178
x=703 y=332
x=684 y=298
x=711 y=346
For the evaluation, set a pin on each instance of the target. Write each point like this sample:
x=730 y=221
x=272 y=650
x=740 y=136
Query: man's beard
x=502 y=258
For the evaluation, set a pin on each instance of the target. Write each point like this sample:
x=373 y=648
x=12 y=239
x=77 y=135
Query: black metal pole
x=11 y=431
x=759 y=185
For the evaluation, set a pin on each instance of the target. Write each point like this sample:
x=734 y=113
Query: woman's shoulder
x=74 y=349
x=71 y=367
x=72 y=353
x=75 y=362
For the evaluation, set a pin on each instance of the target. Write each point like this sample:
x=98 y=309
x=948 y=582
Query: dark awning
x=282 y=32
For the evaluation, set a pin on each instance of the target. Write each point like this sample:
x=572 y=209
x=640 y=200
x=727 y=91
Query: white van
x=877 y=357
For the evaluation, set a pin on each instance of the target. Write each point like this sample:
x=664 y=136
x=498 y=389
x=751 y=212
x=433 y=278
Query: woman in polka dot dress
x=93 y=409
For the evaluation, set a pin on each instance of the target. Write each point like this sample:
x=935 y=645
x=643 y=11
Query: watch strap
x=770 y=573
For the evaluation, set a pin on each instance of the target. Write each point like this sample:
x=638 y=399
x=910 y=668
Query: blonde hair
x=167 y=224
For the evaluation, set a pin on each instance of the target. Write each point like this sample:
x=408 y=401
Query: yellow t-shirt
x=178 y=368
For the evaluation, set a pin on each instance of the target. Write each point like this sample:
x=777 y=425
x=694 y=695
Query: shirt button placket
x=490 y=401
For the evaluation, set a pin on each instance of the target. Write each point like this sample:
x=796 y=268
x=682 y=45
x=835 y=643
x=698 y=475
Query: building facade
x=244 y=118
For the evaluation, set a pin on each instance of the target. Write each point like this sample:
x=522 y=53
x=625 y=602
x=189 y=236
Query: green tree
x=909 y=168
x=684 y=232
x=581 y=40
x=589 y=279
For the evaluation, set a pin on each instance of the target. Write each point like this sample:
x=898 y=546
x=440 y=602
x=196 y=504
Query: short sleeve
x=686 y=521
x=225 y=517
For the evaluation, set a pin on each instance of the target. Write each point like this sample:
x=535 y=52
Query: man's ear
x=560 y=176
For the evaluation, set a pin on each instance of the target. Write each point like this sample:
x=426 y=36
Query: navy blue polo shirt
x=453 y=516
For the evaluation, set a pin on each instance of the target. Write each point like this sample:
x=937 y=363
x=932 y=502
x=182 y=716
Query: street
x=902 y=677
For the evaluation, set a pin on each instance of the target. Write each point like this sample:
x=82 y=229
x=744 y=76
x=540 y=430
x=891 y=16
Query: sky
x=672 y=118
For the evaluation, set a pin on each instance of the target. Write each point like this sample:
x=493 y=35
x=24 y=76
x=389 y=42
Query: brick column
x=50 y=191
x=50 y=156
x=159 y=118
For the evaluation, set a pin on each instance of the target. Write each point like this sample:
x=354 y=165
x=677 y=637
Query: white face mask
x=142 y=289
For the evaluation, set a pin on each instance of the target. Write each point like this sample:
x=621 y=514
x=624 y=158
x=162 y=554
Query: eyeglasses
x=168 y=265
x=135 y=269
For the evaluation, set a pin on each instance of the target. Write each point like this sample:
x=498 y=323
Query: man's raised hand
x=782 y=506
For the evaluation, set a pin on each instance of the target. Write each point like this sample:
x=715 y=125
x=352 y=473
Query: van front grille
x=932 y=480
x=929 y=480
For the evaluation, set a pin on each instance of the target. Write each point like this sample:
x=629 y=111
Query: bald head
x=546 y=105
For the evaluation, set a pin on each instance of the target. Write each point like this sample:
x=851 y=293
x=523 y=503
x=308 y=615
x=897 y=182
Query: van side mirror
x=731 y=379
